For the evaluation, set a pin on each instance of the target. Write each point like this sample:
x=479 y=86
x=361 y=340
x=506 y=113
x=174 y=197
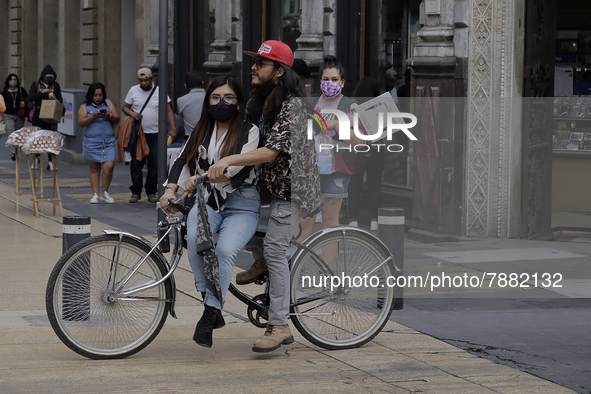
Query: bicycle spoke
x=347 y=312
x=86 y=313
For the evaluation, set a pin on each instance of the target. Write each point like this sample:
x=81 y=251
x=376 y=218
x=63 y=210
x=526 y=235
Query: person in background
x=189 y=106
x=2 y=109
x=98 y=115
x=370 y=164
x=301 y=69
x=390 y=78
x=145 y=96
x=14 y=98
x=404 y=90
x=45 y=88
x=335 y=177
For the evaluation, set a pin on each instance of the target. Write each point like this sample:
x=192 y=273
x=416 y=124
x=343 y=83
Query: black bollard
x=76 y=284
x=74 y=230
x=391 y=232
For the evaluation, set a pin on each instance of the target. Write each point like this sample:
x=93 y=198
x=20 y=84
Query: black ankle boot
x=204 y=331
x=219 y=321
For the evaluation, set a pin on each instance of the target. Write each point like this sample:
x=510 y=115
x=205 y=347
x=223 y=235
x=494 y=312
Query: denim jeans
x=237 y=223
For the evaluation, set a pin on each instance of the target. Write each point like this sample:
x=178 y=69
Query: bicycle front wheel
x=339 y=293
x=84 y=302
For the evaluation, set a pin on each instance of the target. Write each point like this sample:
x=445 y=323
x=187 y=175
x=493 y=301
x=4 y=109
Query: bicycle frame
x=174 y=225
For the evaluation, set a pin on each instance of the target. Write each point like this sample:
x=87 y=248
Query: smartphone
x=103 y=111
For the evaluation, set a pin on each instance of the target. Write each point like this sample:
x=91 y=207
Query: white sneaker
x=33 y=163
x=373 y=226
x=107 y=198
x=354 y=223
x=50 y=166
x=94 y=199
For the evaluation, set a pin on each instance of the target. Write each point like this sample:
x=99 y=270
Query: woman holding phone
x=98 y=115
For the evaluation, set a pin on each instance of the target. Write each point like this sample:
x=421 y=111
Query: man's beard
x=147 y=88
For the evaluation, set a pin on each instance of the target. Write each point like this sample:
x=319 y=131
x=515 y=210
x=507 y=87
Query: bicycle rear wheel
x=85 y=308
x=351 y=313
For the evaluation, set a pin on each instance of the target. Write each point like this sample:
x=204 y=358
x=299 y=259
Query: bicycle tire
x=360 y=313
x=77 y=305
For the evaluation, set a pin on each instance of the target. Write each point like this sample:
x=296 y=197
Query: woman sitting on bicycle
x=233 y=207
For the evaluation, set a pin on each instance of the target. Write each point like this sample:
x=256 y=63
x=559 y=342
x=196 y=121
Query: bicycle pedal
x=262 y=280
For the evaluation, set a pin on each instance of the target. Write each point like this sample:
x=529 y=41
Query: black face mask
x=147 y=88
x=266 y=89
x=222 y=111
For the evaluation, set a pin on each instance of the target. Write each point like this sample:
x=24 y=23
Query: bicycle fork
x=118 y=293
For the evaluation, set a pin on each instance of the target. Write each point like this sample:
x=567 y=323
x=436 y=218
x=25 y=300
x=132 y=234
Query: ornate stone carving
x=490 y=118
x=479 y=120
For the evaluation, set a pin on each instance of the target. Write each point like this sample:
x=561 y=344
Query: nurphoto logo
x=394 y=122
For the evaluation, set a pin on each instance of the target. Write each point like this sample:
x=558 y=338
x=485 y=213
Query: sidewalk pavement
x=33 y=360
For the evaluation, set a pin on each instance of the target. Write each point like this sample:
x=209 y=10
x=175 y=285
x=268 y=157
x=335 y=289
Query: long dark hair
x=18 y=81
x=90 y=93
x=287 y=86
x=204 y=127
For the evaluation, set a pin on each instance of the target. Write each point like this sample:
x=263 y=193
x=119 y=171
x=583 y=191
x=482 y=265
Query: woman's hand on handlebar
x=168 y=195
x=190 y=183
x=217 y=170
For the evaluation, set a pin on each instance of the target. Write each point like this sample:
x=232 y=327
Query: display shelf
x=572 y=119
x=571 y=154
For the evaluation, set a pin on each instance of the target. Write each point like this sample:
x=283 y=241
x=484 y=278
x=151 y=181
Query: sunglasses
x=260 y=63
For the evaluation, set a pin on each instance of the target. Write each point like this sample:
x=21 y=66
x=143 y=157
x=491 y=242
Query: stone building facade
x=472 y=168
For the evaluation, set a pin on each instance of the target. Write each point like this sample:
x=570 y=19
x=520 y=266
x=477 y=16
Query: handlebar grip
x=205 y=178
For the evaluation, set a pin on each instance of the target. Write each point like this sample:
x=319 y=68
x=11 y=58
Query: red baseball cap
x=274 y=50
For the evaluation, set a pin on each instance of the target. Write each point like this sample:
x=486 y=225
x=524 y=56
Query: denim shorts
x=334 y=185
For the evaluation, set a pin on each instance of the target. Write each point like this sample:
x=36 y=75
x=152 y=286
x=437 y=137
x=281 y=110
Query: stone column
x=90 y=42
x=494 y=126
x=438 y=178
x=318 y=26
x=148 y=33
x=69 y=44
x=228 y=29
x=109 y=48
x=311 y=40
x=151 y=29
x=47 y=19
x=14 y=46
x=28 y=38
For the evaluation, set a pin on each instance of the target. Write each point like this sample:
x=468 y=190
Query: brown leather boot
x=256 y=271
x=274 y=337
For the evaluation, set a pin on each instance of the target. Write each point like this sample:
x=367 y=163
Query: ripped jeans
x=334 y=185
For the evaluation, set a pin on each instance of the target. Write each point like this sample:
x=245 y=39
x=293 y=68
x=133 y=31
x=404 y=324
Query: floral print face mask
x=330 y=89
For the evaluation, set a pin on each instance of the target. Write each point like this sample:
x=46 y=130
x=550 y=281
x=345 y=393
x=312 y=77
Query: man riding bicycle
x=289 y=173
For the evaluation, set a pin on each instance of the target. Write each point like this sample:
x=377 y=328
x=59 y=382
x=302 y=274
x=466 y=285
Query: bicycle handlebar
x=181 y=206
